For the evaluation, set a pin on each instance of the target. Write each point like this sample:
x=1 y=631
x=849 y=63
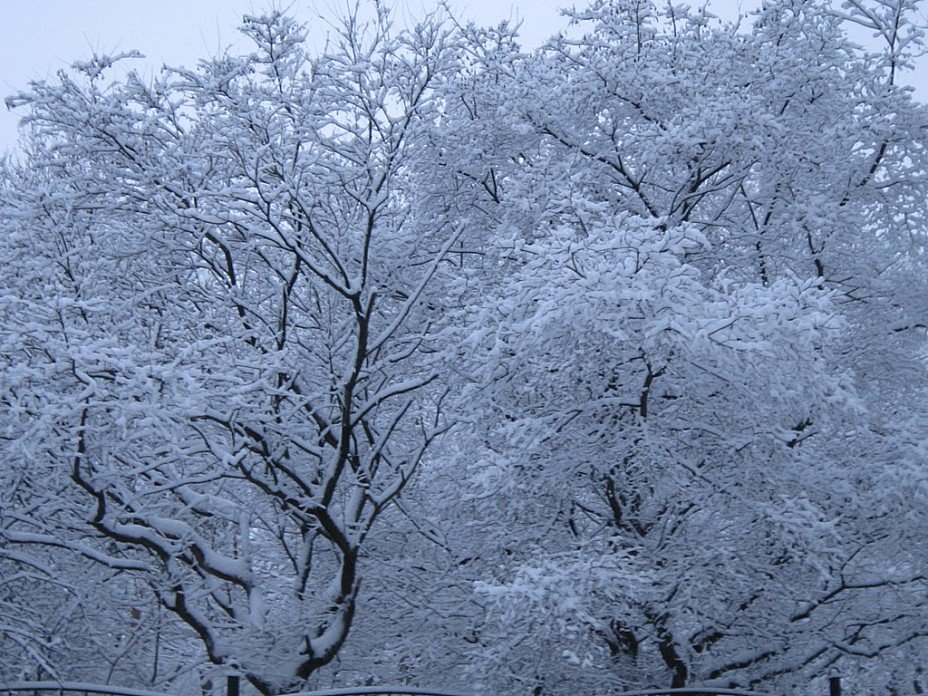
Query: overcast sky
x=37 y=37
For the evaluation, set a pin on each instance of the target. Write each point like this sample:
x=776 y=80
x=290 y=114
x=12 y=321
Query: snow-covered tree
x=216 y=346
x=701 y=322
x=667 y=275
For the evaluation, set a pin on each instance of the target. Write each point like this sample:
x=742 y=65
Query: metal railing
x=411 y=691
x=378 y=691
x=54 y=688
x=51 y=688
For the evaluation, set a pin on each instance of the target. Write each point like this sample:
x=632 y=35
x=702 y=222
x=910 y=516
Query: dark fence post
x=232 y=685
x=834 y=686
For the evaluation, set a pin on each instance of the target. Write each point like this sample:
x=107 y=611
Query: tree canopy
x=429 y=359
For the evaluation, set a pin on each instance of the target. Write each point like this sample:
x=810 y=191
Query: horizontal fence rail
x=50 y=688
x=692 y=691
x=70 y=689
x=378 y=691
x=410 y=691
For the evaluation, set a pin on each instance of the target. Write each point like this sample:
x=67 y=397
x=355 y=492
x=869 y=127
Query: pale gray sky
x=37 y=37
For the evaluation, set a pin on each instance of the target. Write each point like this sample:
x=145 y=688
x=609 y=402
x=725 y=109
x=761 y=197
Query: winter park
x=382 y=348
